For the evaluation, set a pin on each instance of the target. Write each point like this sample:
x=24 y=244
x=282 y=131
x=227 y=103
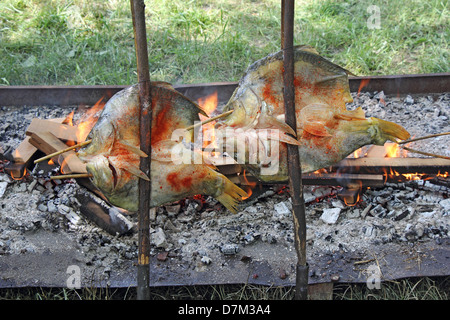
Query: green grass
x=404 y=289
x=80 y=42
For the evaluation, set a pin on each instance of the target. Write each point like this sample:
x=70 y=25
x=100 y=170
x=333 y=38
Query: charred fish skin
x=113 y=156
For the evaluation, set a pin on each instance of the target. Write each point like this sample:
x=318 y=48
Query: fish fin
x=358 y=113
x=307 y=48
x=133 y=149
x=392 y=130
x=329 y=78
x=283 y=137
x=133 y=169
x=268 y=121
x=349 y=115
x=231 y=195
x=163 y=84
x=317 y=129
x=288 y=139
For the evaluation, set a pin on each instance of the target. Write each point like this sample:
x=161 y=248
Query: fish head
x=246 y=105
x=102 y=173
x=117 y=185
x=102 y=136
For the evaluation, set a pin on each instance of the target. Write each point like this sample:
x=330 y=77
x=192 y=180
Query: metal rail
x=35 y=95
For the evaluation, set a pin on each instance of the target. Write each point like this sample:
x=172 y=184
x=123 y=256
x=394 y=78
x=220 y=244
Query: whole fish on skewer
x=326 y=131
x=113 y=156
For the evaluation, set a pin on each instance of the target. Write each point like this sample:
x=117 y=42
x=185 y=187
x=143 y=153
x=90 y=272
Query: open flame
x=19 y=177
x=363 y=83
x=89 y=119
x=391 y=150
x=248 y=186
x=209 y=105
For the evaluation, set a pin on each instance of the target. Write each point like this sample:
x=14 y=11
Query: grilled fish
x=326 y=131
x=113 y=156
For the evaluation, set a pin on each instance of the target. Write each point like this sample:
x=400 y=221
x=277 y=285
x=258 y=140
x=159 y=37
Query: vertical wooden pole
x=145 y=123
x=294 y=165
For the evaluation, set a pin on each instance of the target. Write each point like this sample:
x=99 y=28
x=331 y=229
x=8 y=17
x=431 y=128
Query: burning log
x=23 y=154
x=49 y=143
x=109 y=218
x=24 y=151
x=61 y=131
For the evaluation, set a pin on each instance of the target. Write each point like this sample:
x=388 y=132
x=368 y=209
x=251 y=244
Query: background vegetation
x=80 y=42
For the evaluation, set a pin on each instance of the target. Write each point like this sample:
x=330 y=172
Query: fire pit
x=390 y=216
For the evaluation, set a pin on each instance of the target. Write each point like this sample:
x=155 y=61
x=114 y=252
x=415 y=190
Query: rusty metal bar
x=388 y=165
x=294 y=166
x=35 y=95
x=145 y=124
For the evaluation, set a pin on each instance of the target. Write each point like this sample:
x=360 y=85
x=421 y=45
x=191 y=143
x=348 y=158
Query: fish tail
x=231 y=195
x=379 y=130
x=392 y=131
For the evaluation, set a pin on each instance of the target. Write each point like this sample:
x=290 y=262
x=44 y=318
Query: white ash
x=15 y=120
x=200 y=233
x=420 y=115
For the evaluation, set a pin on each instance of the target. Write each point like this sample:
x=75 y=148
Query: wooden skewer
x=425 y=153
x=423 y=138
x=209 y=120
x=69 y=176
x=422 y=152
x=82 y=144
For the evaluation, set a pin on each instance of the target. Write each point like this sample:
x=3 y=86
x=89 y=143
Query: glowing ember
x=19 y=178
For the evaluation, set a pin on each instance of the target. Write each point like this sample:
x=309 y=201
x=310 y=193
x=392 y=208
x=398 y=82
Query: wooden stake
x=79 y=145
x=70 y=176
x=61 y=131
x=49 y=144
x=209 y=120
x=294 y=165
x=145 y=126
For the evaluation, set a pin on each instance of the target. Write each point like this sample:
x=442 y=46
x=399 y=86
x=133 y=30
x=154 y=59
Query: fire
x=392 y=150
x=442 y=175
x=69 y=118
x=69 y=121
x=209 y=105
x=89 y=119
x=359 y=153
x=352 y=204
x=363 y=83
x=18 y=178
x=249 y=186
